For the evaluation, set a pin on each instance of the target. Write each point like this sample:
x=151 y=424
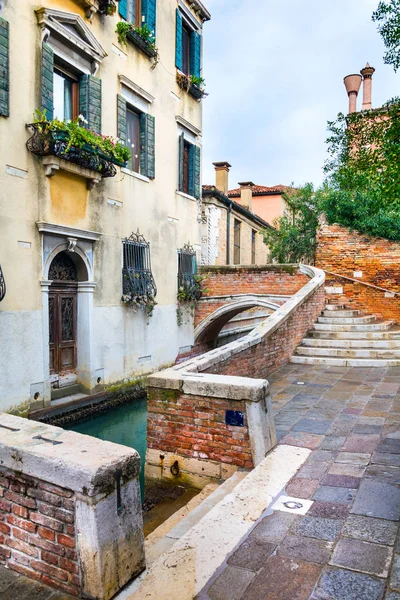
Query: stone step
x=384 y=326
x=344 y=362
x=349 y=352
x=337 y=314
x=354 y=335
x=335 y=307
x=362 y=343
x=347 y=320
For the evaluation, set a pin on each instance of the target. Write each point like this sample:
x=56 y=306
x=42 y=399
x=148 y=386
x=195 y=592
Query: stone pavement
x=347 y=546
x=17 y=587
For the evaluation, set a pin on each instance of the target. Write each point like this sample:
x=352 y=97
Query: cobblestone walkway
x=347 y=546
x=16 y=587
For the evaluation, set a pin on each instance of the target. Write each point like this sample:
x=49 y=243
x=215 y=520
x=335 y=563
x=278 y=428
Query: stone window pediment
x=71 y=31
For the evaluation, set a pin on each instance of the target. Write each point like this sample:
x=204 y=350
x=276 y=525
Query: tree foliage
x=294 y=238
x=387 y=15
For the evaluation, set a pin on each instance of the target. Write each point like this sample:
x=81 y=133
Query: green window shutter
x=195 y=54
x=149 y=15
x=123 y=9
x=191 y=170
x=181 y=159
x=178 y=49
x=121 y=118
x=147 y=145
x=90 y=101
x=47 y=80
x=197 y=172
x=4 y=68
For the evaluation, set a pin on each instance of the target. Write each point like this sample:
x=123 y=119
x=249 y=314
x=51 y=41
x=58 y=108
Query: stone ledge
x=80 y=463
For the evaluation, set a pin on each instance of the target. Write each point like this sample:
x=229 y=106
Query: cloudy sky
x=274 y=72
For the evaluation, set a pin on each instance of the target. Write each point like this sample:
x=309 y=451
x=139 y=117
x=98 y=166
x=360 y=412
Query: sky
x=274 y=73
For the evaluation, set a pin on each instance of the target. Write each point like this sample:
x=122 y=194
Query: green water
x=124 y=425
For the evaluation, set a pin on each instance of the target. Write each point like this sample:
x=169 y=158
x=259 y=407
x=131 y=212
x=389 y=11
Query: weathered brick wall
x=344 y=252
x=37 y=533
x=275 y=350
x=194 y=426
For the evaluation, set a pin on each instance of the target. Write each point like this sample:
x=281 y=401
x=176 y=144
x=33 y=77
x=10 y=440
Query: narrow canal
x=124 y=425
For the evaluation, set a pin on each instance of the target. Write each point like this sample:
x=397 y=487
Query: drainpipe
x=228 y=234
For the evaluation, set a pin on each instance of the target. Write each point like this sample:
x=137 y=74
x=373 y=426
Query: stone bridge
x=231 y=290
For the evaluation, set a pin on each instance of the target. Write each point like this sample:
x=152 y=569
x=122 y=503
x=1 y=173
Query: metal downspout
x=228 y=234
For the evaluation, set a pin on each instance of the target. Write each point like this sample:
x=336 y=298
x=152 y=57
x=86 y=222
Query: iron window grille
x=188 y=283
x=2 y=285
x=137 y=278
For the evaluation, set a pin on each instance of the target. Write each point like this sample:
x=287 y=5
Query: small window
x=189 y=287
x=236 y=242
x=136 y=271
x=66 y=95
x=189 y=167
x=133 y=139
x=186 y=167
x=253 y=247
x=186 y=33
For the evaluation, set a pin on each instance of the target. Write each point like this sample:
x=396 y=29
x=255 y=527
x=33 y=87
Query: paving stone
x=395 y=574
x=344 y=481
x=384 y=473
x=302 y=439
x=301 y=487
x=369 y=529
x=361 y=443
x=7 y=577
x=320 y=528
x=336 y=495
x=313 y=470
x=329 y=510
x=342 y=426
x=392 y=596
x=353 y=458
x=339 y=584
x=345 y=469
x=252 y=554
x=389 y=445
x=284 y=579
x=386 y=459
x=321 y=456
x=332 y=442
x=312 y=426
x=26 y=589
x=305 y=548
x=377 y=499
x=365 y=428
x=273 y=528
x=231 y=584
x=280 y=433
x=365 y=557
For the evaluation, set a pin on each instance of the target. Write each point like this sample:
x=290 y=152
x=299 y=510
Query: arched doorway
x=63 y=293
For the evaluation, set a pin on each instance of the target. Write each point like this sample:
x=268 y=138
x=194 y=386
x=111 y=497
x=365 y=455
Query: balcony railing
x=45 y=142
x=2 y=285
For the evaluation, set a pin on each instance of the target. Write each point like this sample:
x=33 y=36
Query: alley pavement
x=14 y=586
x=347 y=546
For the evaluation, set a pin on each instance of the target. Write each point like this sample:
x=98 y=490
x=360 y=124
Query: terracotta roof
x=211 y=190
x=261 y=190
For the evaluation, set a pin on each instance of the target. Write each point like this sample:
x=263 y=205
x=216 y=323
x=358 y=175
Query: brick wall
x=276 y=349
x=37 y=534
x=194 y=426
x=342 y=251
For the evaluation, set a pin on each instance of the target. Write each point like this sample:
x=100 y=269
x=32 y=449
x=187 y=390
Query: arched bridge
x=231 y=290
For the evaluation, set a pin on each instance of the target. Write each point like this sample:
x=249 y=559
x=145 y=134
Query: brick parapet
x=37 y=531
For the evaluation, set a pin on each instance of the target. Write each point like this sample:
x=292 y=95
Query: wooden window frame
x=75 y=87
x=135 y=161
x=186 y=48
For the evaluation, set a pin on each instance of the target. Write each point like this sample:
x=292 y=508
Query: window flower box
x=186 y=83
x=73 y=143
x=144 y=45
x=141 y=37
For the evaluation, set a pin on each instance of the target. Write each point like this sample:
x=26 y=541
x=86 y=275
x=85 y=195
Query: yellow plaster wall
x=68 y=193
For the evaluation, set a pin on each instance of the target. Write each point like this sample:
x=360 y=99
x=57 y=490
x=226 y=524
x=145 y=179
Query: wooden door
x=62 y=328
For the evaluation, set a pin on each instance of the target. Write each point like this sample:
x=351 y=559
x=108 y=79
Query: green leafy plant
x=78 y=136
x=107 y=7
x=198 y=81
x=387 y=15
x=189 y=294
x=146 y=303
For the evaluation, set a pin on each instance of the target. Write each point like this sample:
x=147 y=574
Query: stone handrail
x=376 y=287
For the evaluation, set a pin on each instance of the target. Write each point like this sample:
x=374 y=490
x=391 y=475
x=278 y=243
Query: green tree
x=387 y=15
x=294 y=238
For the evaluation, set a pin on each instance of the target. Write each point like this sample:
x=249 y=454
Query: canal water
x=124 y=425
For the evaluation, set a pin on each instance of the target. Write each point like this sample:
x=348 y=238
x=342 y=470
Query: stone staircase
x=345 y=337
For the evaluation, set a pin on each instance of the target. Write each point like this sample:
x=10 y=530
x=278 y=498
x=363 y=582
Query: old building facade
x=80 y=228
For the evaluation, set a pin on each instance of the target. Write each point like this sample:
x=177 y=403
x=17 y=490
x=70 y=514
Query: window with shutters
x=236 y=241
x=4 y=69
x=188 y=56
x=133 y=139
x=65 y=95
x=139 y=25
x=189 y=167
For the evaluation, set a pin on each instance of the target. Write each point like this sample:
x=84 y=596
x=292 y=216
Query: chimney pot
x=222 y=176
x=246 y=194
x=367 y=73
x=352 y=84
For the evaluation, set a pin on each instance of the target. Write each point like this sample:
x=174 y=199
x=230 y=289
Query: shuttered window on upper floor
x=139 y=13
x=4 y=68
x=189 y=167
x=187 y=47
x=136 y=130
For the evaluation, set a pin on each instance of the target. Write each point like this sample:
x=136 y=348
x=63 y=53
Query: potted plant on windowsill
x=192 y=84
x=72 y=141
x=108 y=7
x=141 y=37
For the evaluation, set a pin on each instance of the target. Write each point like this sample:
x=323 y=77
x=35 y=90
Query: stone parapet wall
x=70 y=508
x=37 y=531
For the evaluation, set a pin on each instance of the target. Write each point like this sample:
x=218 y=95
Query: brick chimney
x=367 y=73
x=222 y=176
x=246 y=194
x=353 y=84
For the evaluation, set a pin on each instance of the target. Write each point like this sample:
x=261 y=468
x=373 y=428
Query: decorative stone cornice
x=68 y=232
